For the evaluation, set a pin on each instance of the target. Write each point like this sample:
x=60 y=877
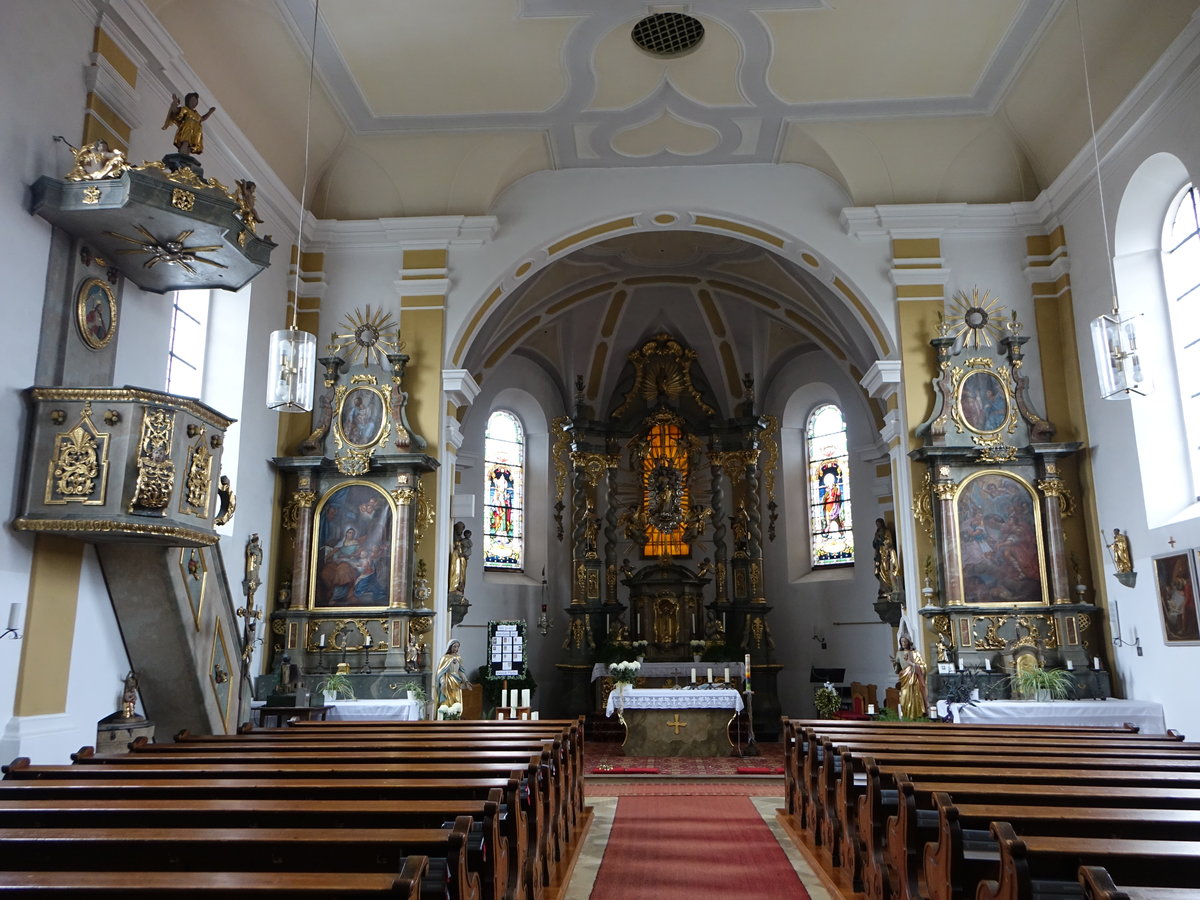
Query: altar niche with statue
x=661 y=500
x=1003 y=591
x=355 y=591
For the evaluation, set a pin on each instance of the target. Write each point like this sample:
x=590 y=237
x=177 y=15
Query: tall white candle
x=1070 y=666
x=693 y=674
x=870 y=709
x=960 y=664
x=747 y=676
x=987 y=664
x=524 y=696
x=693 y=623
x=321 y=643
x=504 y=696
x=533 y=715
x=639 y=623
x=727 y=674
x=710 y=674
x=1096 y=663
x=14 y=615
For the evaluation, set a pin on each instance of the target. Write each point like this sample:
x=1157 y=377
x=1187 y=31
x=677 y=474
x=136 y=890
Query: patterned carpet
x=602 y=760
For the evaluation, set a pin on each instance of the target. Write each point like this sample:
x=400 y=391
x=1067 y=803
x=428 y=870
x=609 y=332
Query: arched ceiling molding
x=806 y=258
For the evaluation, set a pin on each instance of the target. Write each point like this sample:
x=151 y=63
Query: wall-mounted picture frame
x=193 y=568
x=361 y=416
x=353 y=548
x=998 y=526
x=1175 y=585
x=96 y=313
x=983 y=402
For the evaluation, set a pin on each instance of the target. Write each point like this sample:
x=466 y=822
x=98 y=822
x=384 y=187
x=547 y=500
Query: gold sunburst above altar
x=974 y=319
x=369 y=336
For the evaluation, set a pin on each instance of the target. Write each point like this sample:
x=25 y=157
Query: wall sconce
x=16 y=618
x=543 y=621
x=820 y=639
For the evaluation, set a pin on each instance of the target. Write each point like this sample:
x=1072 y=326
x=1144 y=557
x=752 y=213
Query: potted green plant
x=1037 y=683
x=336 y=684
x=412 y=689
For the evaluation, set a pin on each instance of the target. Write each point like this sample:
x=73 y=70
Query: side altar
x=354 y=589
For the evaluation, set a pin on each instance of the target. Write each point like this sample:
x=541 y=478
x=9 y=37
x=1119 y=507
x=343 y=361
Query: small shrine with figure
x=660 y=498
x=358 y=593
x=1003 y=592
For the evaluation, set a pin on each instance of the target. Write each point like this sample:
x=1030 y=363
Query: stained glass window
x=830 y=522
x=504 y=492
x=1181 y=270
x=664 y=491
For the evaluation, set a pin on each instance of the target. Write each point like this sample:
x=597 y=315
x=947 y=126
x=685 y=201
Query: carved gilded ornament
x=770 y=445
x=994 y=451
x=593 y=584
x=182 y=199
x=610 y=577
x=945 y=490
x=369 y=336
x=129 y=395
x=155 y=470
x=420 y=624
x=403 y=496
x=735 y=460
x=758 y=629
x=991 y=639
x=1054 y=487
x=594 y=465
x=197 y=484
x=941 y=626
x=922 y=505
x=425 y=515
x=78 y=470
x=662 y=370
x=91 y=194
x=361 y=424
x=562 y=443
x=721 y=580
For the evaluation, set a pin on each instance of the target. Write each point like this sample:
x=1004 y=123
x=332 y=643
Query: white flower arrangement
x=453 y=711
x=697 y=646
x=624 y=672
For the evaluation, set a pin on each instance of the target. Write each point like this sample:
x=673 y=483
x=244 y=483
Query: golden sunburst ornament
x=369 y=335
x=975 y=318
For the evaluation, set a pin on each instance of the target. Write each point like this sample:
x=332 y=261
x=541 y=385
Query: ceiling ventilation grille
x=668 y=34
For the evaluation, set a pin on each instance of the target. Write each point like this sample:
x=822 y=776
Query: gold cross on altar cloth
x=676 y=724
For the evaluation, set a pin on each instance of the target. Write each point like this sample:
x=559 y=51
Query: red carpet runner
x=664 y=848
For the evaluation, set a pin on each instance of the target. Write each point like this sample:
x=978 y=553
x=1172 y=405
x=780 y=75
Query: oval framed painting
x=96 y=313
x=983 y=404
x=361 y=416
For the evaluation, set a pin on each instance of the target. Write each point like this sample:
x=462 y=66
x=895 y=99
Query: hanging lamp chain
x=1087 y=87
x=312 y=65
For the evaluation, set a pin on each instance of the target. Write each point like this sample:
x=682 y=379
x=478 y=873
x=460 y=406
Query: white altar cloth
x=403 y=710
x=1146 y=715
x=680 y=670
x=667 y=698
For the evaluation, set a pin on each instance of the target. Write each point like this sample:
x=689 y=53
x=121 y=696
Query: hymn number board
x=506 y=649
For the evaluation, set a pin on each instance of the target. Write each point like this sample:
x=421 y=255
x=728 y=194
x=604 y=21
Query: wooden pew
x=117 y=885
x=489 y=856
x=963 y=852
x=1033 y=866
x=245 y=850
x=1099 y=885
x=525 y=867
x=458 y=761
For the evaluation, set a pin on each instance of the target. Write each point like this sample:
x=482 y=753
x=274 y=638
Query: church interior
x=799 y=344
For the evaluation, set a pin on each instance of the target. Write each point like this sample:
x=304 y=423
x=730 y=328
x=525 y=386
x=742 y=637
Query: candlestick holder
x=320 y=669
x=366 y=666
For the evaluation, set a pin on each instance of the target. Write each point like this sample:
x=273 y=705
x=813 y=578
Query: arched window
x=664 y=490
x=830 y=522
x=504 y=490
x=1181 y=275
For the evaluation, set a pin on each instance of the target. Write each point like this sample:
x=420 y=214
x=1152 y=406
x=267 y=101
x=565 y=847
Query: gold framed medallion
x=96 y=312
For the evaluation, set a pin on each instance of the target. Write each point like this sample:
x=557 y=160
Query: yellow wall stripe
x=588 y=233
x=107 y=47
x=53 y=597
x=738 y=228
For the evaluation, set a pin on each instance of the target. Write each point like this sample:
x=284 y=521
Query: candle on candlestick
x=693 y=674
x=960 y=664
x=1070 y=666
x=321 y=642
x=710 y=674
x=524 y=696
x=694 y=624
x=533 y=715
x=503 y=697
x=723 y=623
x=987 y=664
x=606 y=626
x=870 y=709
x=639 y=624
x=747 y=666
x=727 y=674
x=1096 y=663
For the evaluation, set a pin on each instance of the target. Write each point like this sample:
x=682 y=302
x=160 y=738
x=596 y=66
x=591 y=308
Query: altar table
x=403 y=710
x=675 y=722
x=1146 y=715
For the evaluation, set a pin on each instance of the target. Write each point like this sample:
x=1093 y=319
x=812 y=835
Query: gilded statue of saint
x=1121 y=553
x=188 y=122
x=911 y=668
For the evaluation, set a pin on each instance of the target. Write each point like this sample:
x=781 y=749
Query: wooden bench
x=247 y=850
x=525 y=866
x=1032 y=867
x=117 y=885
x=489 y=855
x=1099 y=885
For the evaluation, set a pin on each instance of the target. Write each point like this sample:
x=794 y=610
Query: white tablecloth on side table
x=1146 y=715
x=666 y=698
x=403 y=710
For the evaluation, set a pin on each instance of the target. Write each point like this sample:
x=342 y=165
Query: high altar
x=661 y=499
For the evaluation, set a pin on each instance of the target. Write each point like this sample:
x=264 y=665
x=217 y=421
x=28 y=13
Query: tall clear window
x=1181 y=273
x=504 y=492
x=189 y=337
x=830 y=522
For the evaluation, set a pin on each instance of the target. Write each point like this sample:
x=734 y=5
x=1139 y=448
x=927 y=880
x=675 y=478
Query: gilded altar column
x=720 y=551
x=610 y=537
x=299 y=514
x=1055 y=498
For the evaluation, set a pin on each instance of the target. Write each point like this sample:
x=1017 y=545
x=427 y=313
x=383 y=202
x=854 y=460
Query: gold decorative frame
x=1038 y=536
x=96 y=292
x=78 y=470
x=315 y=556
x=960 y=378
x=345 y=398
x=223 y=690
x=193 y=567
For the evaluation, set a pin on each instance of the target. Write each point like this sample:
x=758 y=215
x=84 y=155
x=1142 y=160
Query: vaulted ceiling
x=430 y=107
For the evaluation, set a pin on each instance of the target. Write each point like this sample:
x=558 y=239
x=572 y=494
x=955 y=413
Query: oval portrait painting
x=982 y=402
x=96 y=313
x=361 y=416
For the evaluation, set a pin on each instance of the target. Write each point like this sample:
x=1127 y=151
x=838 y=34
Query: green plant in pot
x=413 y=689
x=336 y=684
x=1037 y=683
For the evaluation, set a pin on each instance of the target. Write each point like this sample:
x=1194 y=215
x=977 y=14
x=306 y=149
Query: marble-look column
x=1054 y=495
x=302 y=504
